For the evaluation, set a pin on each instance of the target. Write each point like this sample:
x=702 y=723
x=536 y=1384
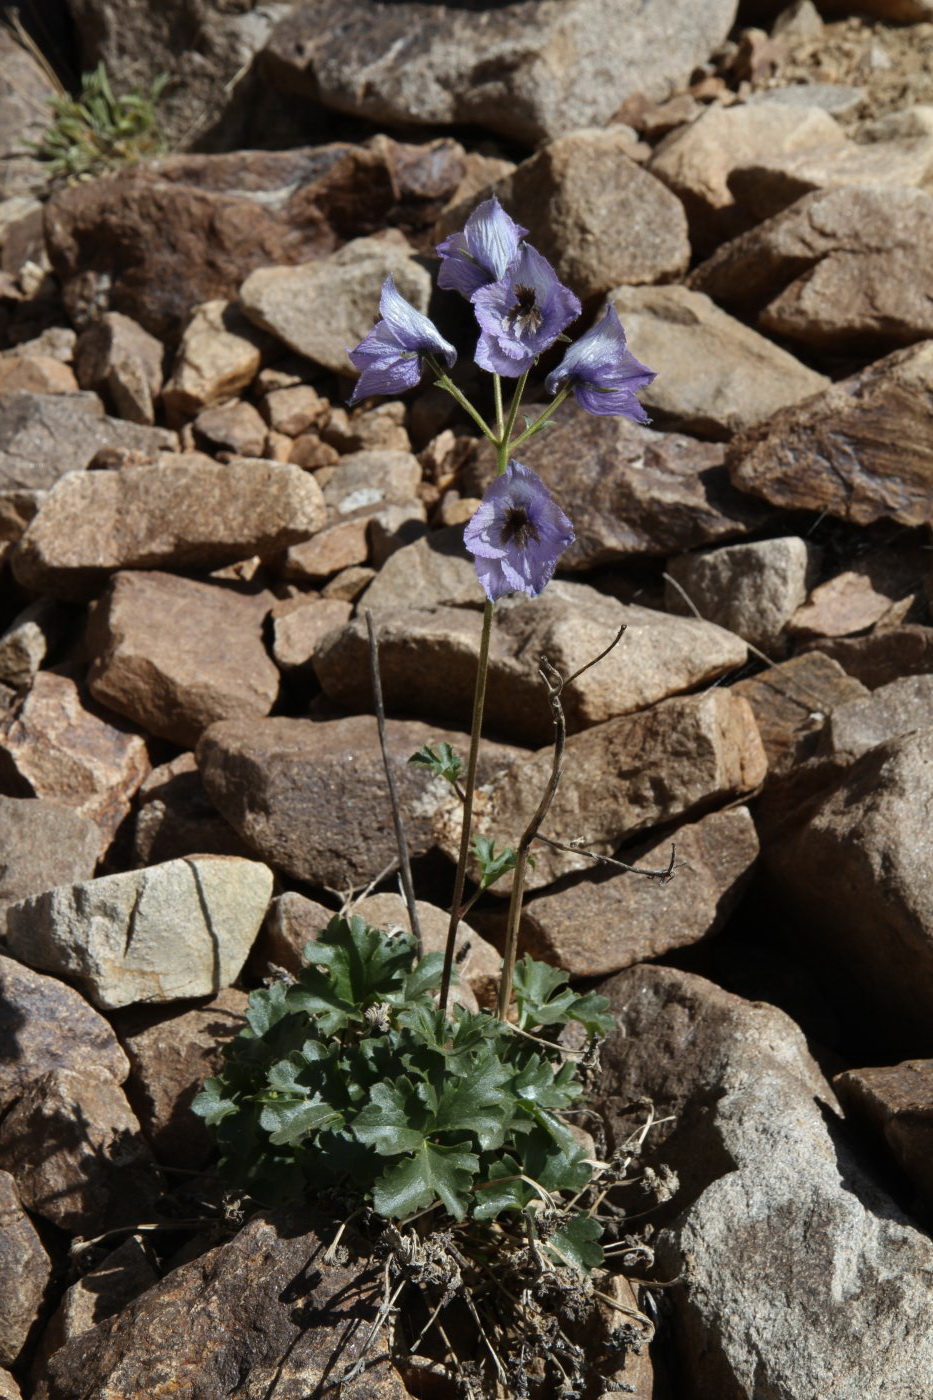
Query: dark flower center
x=525 y=315
x=518 y=527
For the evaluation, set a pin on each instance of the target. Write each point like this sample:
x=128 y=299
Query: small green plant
x=99 y=131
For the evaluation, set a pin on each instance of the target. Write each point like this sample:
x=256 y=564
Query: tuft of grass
x=98 y=131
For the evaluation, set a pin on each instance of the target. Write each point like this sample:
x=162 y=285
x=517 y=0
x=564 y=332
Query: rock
x=221 y=216
x=17 y=508
x=751 y=589
x=35 y=374
x=793 y=702
x=349 y=584
x=9 y=1390
x=428 y=660
x=887 y=713
x=897 y=1100
x=884 y=656
x=57 y=743
x=74 y=1146
x=854 y=870
x=187 y=512
x=862 y=451
x=531 y=71
x=169 y=932
x=696 y=161
x=242 y=1310
x=864 y=594
x=175 y=817
x=25 y=1271
x=25 y=92
x=837 y=271
x=477 y=962
x=621 y=777
x=368 y=429
x=890 y=11
x=771 y=182
x=30 y=639
x=300 y=625
x=294 y=409
x=331 y=549
x=310 y=796
x=630 y=492
x=321 y=309
x=44 y=436
x=42 y=845
x=48 y=1025
x=715 y=375
x=595 y=215
x=293 y=920
x=599 y=925
x=371 y=480
x=175 y=654
x=231 y=429
x=170 y=1057
x=393 y=527
x=119 y=360
x=219 y=356
x=778 y=1221
x=122 y=1276
x=434 y=571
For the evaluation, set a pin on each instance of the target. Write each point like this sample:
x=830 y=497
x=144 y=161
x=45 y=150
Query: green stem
x=500 y=420
x=479 y=697
x=513 y=412
x=543 y=417
x=446 y=383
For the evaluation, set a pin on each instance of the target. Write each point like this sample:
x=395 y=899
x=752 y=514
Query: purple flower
x=521 y=314
x=390 y=356
x=517 y=534
x=481 y=252
x=605 y=377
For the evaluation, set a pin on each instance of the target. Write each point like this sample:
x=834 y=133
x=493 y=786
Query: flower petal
x=412 y=329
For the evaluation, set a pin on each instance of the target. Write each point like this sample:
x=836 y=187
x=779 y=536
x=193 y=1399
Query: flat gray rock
x=531 y=70
x=44 y=436
x=43 y=844
x=751 y=589
x=166 y=933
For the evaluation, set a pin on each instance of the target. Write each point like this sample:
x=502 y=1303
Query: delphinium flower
x=390 y=357
x=521 y=314
x=603 y=374
x=517 y=534
x=481 y=252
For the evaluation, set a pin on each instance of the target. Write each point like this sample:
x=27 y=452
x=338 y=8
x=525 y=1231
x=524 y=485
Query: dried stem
x=400 y=838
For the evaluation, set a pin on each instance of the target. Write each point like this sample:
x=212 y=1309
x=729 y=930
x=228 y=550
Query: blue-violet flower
x=516 y=534
x=481 y=252
x=604 y=375
x=521 y=314
x=389 y=358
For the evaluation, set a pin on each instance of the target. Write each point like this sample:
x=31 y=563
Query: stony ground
x=193 y=524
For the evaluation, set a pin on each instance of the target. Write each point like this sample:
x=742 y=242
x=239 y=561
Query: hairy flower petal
x=389 y=357
x=517 y=534
x=604 y=375
x=481 y=251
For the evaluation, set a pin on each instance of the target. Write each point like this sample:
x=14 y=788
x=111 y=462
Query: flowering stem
x=513 y=411
x=500 y=418
x=445 y=382
x=479 y=697
x=544 y=416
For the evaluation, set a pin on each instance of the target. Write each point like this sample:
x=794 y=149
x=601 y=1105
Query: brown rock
x=349 y=584
x=57 y=743
x=44 y=436
x=600 y=925
x=233 y=428
x=792 y=703
x=433 y=571
x=862 y=451
x=381 y=427
x=175 y=817
x=241 y=1310
x=295 y=409
x=370 y=480
x=334 y=548
x=837 y=271
x=715 y=375
x=428 y=660
x=309 y=452
x=629 y=491
x=854 y=869
x=887 y=713
x=477 y=961
x=864 y=594
x=74 y=1146
x=312 y=795
x=170 y=1057
x=293 y=920
x=43 y=844
x=26 y=87
x=697 y=160
x=186 y=512
x=599 y=218
x=123 y=1275
x=48 y=1025
x=622 y=777
x=883 y=656
x=175 y=654
x=898 y=1102
x=9 y=1390
x=122 y=362
x=300 y=625
x=31 y=639
x=25 y=1271
x=35 y=374
x=219 y=355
